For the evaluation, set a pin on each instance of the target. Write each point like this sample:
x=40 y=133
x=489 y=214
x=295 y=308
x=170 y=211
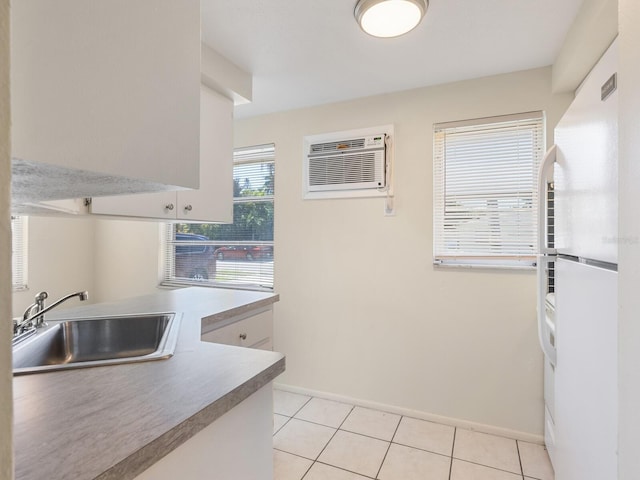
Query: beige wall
x=6 y=423
x=112 y=259
x=60 y=259
x=127 y=258
x=363 y=312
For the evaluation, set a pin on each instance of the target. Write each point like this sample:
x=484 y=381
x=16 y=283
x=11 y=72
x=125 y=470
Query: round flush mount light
x=389 y=18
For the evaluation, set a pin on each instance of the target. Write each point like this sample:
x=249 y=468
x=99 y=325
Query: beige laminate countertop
x=113 y=422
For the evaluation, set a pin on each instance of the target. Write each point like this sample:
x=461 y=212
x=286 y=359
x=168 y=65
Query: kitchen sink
x=97 y=341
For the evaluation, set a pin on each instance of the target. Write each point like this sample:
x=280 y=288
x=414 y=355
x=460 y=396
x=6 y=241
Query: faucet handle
x=42 y=296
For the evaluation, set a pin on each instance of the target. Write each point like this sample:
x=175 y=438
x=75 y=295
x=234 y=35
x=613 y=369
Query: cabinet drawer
x=255 y=330
x=225 y=335
x=252 y=332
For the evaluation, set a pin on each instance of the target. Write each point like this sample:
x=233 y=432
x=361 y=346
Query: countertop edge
x=215 y=318
x=142 y=459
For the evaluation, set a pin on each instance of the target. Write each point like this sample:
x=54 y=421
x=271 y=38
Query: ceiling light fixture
x=389 y=18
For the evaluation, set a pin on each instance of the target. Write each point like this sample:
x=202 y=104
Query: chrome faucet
x=33 y=316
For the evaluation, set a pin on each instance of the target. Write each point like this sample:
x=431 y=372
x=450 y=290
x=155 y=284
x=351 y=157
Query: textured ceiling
x=309 y=52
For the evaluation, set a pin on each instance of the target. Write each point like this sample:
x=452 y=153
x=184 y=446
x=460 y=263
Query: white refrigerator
x=577 y=281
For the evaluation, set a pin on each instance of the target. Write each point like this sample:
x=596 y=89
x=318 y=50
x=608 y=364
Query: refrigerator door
x=546 y=256
x=586 y=372
x=586 y=169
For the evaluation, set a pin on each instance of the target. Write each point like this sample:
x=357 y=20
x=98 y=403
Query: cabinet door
x=117 y=102
x=145 y=205
x=214 y=200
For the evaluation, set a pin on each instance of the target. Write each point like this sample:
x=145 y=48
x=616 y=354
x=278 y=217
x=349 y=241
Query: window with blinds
x=19 y=253
x=485 y=190
x=238 y=255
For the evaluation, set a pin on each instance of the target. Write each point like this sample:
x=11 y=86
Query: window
x=240 y=254
x=485 y=190
x=19 y=253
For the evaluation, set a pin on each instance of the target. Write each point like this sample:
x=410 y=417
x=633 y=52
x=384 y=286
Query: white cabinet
x=213 y=201
x=107 y=88
x=238 y=446
x=253 y=330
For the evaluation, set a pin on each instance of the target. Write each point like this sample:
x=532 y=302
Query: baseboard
x=454 y=422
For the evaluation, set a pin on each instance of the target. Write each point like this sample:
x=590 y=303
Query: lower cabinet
x=252 y=330
x=237 y=446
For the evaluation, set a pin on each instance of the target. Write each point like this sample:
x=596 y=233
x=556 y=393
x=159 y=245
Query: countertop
x=113 y=422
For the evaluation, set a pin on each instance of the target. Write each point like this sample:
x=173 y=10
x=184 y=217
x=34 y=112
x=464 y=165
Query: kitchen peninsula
x=115 y=422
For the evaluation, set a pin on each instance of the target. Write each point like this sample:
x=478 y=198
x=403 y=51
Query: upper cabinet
x=105 y=97
x=213 y=201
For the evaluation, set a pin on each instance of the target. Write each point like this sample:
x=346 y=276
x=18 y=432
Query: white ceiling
x=310 y=52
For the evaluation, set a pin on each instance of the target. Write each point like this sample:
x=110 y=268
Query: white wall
x=60 y=259
x=629 y=246
x=363 y=312
x=591 y=33
x=6 y=397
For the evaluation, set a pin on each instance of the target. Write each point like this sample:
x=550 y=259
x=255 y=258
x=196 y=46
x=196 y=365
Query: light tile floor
x=318 y=439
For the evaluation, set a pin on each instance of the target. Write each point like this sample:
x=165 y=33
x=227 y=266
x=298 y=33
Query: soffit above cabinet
x=226 y=78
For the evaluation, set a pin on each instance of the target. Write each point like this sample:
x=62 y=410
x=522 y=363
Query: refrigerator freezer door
x=586 y=372
x=586 y=169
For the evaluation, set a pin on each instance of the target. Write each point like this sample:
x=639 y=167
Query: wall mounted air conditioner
x=343 y=162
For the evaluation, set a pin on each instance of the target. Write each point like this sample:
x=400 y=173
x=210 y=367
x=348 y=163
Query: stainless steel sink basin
x=91 y=342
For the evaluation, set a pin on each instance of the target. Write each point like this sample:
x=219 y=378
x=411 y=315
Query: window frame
x=476 y=245
x=259 y=154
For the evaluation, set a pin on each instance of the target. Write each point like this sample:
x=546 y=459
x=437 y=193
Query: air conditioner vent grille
x=345 y=169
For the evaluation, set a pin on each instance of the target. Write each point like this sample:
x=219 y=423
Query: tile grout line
x=281 y=426
x=292 y=454
x=453 y=446
x=303 y=405
x=519 y=459
x=306 y=471
x=414 y=448
x=488 y=466
x=389 y=447
x=344 y=470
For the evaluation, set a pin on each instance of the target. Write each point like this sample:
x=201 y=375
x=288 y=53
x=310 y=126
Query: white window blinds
x=485 y=190
x=240 y=254
x=19 y=253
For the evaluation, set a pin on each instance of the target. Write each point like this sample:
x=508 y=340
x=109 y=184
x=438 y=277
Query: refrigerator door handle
x=545 y=174
x=546 y=328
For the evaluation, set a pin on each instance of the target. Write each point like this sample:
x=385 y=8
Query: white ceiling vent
x=345 y=162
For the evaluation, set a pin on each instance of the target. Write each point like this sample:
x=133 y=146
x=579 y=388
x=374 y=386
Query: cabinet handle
x=169 y=206
x=188 y=208
x=243 y=336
